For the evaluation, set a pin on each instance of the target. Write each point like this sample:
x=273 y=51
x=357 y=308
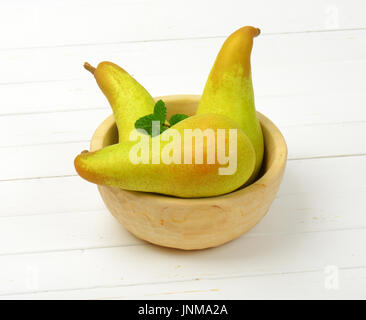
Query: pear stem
x=89 y=67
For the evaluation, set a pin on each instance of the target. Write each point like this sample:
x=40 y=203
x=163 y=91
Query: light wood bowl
x=202 y=222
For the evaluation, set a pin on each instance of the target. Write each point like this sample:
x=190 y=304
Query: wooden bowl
x=201 y=222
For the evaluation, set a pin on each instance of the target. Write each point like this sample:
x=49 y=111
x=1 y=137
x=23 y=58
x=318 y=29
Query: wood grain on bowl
x=195 y=223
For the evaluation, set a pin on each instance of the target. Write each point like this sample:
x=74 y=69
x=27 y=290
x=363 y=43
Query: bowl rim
x=271 y=175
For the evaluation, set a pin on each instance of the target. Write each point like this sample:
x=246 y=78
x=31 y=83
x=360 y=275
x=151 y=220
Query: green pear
x=128 y=99
x=229 y=90
x=220 y=160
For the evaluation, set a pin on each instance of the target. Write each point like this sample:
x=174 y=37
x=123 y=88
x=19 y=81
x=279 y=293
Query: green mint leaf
x=160 y=111
x=177 y=118
x=159 y=114
x=145 y=123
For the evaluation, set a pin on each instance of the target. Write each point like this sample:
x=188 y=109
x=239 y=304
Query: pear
x=176 y=168
x=128 y=99
x=229 y=90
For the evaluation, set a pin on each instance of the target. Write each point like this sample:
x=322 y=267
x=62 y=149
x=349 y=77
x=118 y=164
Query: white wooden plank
x=76 y=230
x=192 y=57
x=289 y=113
x=40 y=160
x=50 y=127
x=128 y=265
x=72 y=194
x=289 y=100
x=299 y=207
x=303 y=142
x=47 y=196
x=284 y=109
x=56 y=237
x=70 y=22
x=51 y=96
x=307 y=285
x=316 y=195
x=324 y=140
x=336 y=107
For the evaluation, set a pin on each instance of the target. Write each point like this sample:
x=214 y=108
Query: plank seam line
x=92 y=211
x=44 y=144
x=319 y=124
x=180 y=281
x=52 y=111
x=39 y=81
x=327 y=157
x=91 y=44
x=82 y=250
x=38 y=178
x=26 y=82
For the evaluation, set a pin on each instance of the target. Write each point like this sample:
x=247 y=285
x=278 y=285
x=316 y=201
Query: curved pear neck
x=236 y=52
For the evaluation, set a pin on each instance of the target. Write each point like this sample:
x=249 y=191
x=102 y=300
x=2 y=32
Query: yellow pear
x=229 y=90
x=201 y=156
x=128 y=99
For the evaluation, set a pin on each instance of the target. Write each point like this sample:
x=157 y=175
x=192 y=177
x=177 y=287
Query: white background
x=57 y=240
